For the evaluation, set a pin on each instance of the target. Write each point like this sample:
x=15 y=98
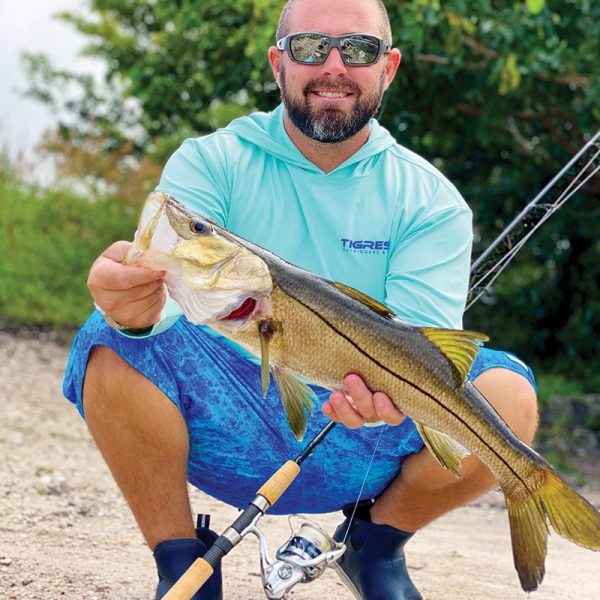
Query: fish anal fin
x=365 y=299
x=448 y=452
x=458 y=346
x=265 y=332
x=297 y=399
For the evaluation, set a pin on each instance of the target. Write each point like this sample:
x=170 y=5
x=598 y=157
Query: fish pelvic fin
x=458 y=346
x=297 y=399
x=570 y=515
x=265 y=332
x=448 y=452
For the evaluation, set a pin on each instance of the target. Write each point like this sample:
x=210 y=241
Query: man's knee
x=108 y=378
x=103 y=369
x=513 y=396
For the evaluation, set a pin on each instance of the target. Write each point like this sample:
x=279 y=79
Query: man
x=320 y=183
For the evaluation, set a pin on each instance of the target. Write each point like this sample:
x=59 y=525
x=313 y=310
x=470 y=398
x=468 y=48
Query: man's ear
x=391 y=66
x=275 y=62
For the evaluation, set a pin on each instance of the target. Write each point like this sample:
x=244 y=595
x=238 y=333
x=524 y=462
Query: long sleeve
x=428 y=274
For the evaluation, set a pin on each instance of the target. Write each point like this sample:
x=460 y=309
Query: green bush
x=48 y=240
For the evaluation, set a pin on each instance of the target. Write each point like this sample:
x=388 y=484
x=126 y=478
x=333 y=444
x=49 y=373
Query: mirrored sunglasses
x=356 y=49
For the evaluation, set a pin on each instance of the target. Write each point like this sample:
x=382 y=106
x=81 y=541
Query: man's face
x=332 y=102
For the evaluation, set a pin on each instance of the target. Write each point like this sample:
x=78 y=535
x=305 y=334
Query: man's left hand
x=361 y=405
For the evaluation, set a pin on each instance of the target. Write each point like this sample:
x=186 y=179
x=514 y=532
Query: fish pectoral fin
x=297 y=399
x=458 y=346
x=265 y=333
x=448 y=452
x=145 y=233
x=363 y=298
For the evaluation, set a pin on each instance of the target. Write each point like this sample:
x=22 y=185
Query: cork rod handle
x=191 y=581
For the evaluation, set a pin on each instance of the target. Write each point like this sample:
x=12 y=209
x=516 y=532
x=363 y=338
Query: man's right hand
x=131 y=295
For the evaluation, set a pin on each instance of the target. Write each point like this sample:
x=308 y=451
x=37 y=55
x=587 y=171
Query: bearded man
x=320 y=183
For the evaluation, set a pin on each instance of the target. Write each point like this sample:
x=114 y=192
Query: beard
x=331 y=125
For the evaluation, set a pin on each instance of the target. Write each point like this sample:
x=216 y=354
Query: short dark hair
x=284 y=20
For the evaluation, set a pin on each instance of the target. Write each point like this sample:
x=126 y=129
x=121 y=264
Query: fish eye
x=198 y=227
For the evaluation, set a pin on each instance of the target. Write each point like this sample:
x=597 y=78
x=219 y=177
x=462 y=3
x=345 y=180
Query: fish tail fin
x=570 y=515
x=529 y=535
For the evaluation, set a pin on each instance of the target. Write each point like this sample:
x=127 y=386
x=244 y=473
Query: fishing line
x=494 y=272
x=550 y=209
x=520 y=216
x=482 y=281
x=364 y=482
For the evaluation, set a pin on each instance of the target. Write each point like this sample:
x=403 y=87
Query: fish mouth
x=242 y=312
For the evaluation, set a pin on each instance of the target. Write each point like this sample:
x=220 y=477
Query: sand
x=66 y=532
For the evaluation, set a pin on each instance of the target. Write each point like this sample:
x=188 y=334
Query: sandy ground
x=65 y=531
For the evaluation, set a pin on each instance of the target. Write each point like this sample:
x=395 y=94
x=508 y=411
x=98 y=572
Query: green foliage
x=498 y=95
x=550 y=384
x=48 y=241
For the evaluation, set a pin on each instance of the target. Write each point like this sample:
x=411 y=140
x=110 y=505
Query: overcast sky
x=28 y=25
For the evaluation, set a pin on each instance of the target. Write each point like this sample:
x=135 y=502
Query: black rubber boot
x=373 y=565
x=173 y=558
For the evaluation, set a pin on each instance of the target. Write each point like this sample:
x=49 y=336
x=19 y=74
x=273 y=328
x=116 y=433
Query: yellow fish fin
x=448 y=452
x=296 y=397
x=265 y=333
x=570 y=515
x=458 y=346
x=529 y=535
x=371 y=303
x=145 y=236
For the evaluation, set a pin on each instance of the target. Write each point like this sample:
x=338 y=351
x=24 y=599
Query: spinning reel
x=301 y=559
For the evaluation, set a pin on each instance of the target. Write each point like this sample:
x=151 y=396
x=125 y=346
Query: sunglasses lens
x=309 y=48
x=360 y=49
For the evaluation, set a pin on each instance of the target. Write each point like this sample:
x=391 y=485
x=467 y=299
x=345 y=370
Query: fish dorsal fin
x=365 y=299
x=458 y=346
x=296 y=398
x=448 y=452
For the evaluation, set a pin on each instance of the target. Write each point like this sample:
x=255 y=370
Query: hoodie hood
x=266 y=131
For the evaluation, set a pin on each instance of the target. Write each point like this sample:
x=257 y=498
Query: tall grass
x=48 y=240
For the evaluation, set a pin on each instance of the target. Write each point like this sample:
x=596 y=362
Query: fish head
x=210 y=275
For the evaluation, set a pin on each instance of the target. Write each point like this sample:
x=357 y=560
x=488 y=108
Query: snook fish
x=301 y=324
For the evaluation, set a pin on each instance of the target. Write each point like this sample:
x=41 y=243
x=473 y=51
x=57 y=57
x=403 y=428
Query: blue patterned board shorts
x=237 y=438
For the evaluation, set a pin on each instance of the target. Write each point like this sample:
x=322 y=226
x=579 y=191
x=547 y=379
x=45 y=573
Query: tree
x=497 y=94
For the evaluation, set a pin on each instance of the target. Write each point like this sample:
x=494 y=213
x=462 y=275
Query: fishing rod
x=490 y=264
x=301 y=559
x=307 y=553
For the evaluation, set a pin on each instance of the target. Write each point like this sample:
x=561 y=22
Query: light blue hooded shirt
x=385 y=221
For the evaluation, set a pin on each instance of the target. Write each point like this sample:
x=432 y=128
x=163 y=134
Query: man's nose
x=334 y=65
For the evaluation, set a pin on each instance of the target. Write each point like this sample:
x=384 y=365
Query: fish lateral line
x=411 y=384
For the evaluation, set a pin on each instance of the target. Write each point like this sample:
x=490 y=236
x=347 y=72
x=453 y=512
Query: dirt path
x=65 y=531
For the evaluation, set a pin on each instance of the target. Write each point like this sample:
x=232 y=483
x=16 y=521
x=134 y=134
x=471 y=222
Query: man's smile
x=324 y=94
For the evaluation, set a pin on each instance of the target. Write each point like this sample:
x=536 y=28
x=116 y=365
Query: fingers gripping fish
x=303 y=325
